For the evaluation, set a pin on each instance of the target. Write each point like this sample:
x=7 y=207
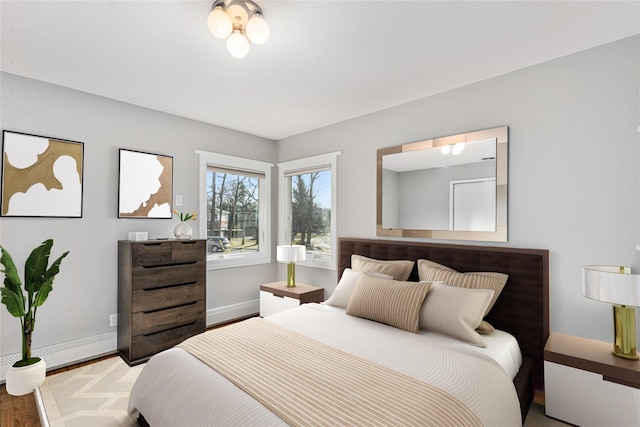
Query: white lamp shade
x=257 y=30
x=606 y=283
x=219 y=23
x=238 y=45
x=291 y=253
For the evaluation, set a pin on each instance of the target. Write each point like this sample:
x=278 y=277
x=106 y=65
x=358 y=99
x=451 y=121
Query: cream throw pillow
x=431 y=272
x=392 y=302
x=399 y=269
x=341 y=295
x=454 y=311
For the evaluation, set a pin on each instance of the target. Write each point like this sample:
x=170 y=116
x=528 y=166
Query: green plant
x=186 y=216
x=38 y=283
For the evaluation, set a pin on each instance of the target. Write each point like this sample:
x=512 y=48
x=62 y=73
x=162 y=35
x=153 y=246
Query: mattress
x=175 y=388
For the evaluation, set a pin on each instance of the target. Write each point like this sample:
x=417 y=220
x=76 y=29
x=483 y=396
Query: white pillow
x=342 y=294
x=455 y=311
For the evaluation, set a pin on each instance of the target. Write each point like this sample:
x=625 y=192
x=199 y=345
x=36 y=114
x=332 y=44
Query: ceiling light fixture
x=240 y=22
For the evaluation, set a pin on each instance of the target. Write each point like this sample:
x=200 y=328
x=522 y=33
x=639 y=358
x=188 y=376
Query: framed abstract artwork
x=145 y=189
x=41 y=176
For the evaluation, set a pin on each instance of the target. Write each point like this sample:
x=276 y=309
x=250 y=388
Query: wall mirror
x=454 y=187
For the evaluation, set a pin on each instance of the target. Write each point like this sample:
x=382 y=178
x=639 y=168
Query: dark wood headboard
x=523 y=306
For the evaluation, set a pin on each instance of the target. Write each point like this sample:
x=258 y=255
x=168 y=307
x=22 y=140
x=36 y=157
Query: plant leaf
x=55 y=268
x=14 y=302
x=43 y=293
x=11 y=280
x=36 y=265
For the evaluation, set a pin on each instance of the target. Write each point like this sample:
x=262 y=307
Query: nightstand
x=586 y=385
x=276 y=297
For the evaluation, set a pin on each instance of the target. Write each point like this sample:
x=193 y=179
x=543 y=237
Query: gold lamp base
x=624 y=329
x=291 y=275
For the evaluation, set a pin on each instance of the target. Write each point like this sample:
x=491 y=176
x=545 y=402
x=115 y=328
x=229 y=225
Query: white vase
x=182 y=231
x=24 y=379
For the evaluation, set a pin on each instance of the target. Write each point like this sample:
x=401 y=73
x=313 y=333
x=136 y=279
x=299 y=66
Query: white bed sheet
x=174 y=384
x=501 y=346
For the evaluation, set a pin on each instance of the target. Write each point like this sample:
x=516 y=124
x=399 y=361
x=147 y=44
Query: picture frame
x=41 y=176
x=145 y=187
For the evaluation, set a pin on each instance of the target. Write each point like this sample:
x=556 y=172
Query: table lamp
x=291 y=254
x=616 y=285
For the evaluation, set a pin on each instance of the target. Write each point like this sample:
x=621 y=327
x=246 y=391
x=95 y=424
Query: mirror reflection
x=452 y=187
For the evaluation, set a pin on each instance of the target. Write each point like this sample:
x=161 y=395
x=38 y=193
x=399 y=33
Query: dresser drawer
x=584 y=398
x=272 y=304
x=190 y=250
x=148 y=322
x=155 y=299
x=151 y=253
x=147 y=345
x=155 y=277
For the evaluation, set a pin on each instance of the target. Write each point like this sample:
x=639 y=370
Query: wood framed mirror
x=452 y=187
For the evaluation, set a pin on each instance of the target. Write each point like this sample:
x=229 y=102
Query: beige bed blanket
x=308 y=383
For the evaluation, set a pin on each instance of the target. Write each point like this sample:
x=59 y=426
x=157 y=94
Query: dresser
x=277 y=297
x=161 y=295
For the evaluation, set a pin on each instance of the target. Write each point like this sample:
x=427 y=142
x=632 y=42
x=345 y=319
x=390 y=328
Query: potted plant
x=29 y=372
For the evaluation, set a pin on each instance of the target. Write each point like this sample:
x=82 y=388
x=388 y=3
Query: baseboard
x=68 y=353
x=228 y=313
x=76 y=351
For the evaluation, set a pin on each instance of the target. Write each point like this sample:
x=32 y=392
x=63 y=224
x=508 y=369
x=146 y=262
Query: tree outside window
x=311 y=212
x=307 y=214
x=232 y=210
x=235 y=202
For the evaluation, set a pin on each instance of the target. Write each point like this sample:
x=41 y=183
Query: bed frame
x=522 y=308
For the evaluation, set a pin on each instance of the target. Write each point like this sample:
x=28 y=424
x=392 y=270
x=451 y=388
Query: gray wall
x=574 y=187
x=573 y=180
x=86 y=289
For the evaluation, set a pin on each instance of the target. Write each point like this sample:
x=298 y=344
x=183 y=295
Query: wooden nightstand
x=276 y=297
x=586 y=385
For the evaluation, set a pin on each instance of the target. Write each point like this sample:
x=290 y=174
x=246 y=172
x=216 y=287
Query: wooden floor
x=21 y=411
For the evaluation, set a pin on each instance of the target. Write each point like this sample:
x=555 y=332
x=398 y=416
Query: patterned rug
x=92 y=395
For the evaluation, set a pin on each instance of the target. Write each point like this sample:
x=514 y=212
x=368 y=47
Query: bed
x=360 y=361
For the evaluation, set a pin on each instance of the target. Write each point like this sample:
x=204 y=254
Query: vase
x=182 y=231
x=24 y=379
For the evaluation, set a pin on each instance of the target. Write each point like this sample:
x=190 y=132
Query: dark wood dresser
x=161 y=295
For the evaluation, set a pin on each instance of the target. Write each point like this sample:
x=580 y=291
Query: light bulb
x=257 y=29
x=458 y=148
x=238 y=45
x=219 y=23
x=445 y=149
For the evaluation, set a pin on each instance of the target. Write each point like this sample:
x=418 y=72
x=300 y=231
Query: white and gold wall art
x=146 y=185
x=41 y=176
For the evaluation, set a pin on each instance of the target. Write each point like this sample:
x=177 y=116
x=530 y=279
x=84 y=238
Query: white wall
x=85 y=291
x=574 y=186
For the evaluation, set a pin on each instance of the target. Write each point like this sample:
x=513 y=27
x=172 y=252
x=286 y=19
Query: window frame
x=306 y=165
x=263 y=256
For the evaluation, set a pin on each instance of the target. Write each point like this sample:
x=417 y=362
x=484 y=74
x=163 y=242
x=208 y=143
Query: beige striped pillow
x=342 y=294
x=388 y=301
x=399 y=269
x=455 y=311
x=432 y=272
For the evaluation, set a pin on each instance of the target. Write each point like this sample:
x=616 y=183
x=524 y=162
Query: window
x=308 y=207
x=235 y=207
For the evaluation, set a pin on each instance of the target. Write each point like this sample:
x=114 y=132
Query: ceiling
x=325 y=61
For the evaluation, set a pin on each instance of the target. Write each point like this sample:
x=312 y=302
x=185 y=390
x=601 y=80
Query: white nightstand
x=276 y=297
x=586 y=385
